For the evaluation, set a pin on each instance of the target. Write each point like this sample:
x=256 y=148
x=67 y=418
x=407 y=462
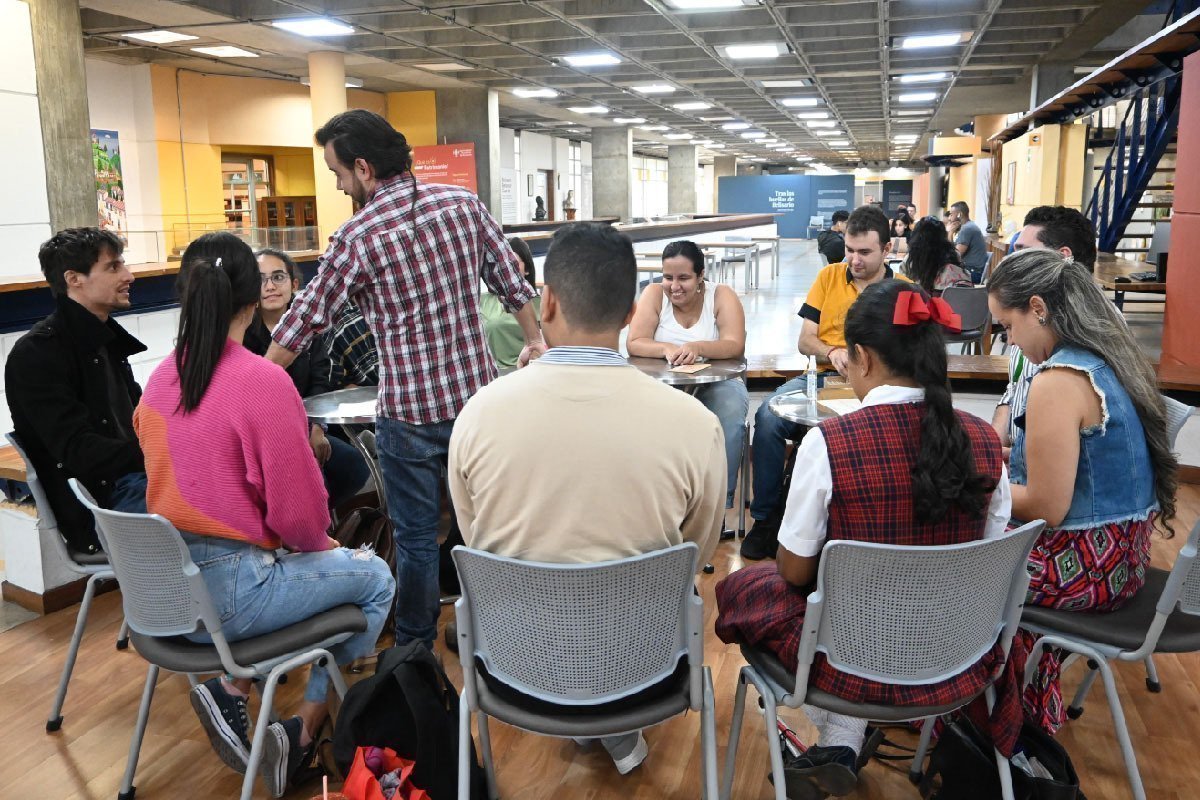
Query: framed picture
x=1010 y=196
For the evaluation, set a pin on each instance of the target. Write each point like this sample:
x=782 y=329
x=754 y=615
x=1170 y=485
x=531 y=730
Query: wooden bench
x=12 y=466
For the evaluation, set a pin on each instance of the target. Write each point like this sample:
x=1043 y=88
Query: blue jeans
x=977 y=273
x=345 y=472
x=256 y=592
x=730 y=402
x=413 y=461
x=129 y=494
x=771 y=434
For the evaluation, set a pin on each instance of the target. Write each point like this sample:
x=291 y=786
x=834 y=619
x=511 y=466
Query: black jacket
x=831 y=245
x=58 y=394
x=311 y=367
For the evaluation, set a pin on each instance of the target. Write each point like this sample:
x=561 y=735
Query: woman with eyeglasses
x=225 y=439
x=344 y=469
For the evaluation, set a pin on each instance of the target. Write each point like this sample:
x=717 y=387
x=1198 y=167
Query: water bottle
x=810 y=379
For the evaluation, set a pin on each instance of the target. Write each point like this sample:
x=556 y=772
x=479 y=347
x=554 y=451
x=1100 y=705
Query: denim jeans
x=413 y=461
x=129 y=494
x=256 y=592
x=771 y=434
x=345 y=472
x=730 y=402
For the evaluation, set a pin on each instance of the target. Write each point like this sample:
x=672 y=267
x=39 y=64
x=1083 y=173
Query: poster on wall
x=896 y=192
x=452 y=164
x=795 y=198
x=110 y=189
x=508 y=196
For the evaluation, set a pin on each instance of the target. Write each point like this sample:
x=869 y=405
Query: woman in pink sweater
x=228 y=461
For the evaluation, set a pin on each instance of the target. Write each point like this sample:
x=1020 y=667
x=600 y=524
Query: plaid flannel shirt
x=412 y=259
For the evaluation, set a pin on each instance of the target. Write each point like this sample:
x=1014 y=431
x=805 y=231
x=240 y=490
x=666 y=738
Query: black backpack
x=410 y=706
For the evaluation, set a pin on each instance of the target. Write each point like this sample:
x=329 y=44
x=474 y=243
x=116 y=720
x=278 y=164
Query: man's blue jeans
x=256 y=592
x=413 y=461
x=771 y=435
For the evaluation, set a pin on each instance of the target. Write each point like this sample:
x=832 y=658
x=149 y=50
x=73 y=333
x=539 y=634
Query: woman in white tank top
x=687 y=319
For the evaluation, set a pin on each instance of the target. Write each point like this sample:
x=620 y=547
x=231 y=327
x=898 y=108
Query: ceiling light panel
x=692 y=106
x=629 y=120
x=917 y=97
x=931 y=40
x=588 y=109
x=924 y=77
x=601 y=59
x=746 y=52
x=225 y=51
x=800 y=102
x=793 y=84
x=735 y=126
x=444 y=66
x=161 y=37
x=314 y=26
x=535 y=92
x=654 y=88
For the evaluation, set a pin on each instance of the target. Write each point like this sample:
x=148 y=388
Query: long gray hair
x=1079 y=314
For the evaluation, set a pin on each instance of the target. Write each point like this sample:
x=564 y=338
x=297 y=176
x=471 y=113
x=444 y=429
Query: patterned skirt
x=1097 y=569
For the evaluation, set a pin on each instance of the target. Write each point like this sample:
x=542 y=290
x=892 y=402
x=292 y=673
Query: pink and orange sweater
x=239 y=465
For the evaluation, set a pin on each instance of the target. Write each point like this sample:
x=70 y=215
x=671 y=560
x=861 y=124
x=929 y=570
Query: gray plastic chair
x=165 y=599
x=94 y=566
x=970 y=303
x=892 y=614
x=1164 y=617
x=577 y=637
x=1177 y=417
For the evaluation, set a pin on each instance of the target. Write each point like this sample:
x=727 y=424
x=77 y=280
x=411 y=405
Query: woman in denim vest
x=1091 y=454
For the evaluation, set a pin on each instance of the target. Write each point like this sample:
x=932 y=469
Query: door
x=545 y=190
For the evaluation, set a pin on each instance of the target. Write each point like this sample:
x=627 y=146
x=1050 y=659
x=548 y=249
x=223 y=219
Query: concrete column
x=612 y=152
x=723 y=167
x=473 y=115
x=327 y=90
x=63 y=108
x=682 y=175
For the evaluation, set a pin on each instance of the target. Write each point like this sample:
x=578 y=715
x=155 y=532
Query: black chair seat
x=96 y=559
x=531 y=713
x=772 y=668
x=1126 y=627
x=181 y=655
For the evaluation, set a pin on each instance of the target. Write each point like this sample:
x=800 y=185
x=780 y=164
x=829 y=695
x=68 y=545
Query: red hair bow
x=911 y=308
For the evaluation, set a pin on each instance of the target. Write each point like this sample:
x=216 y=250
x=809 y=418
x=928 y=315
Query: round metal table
x=797 y=407
x=719 y=370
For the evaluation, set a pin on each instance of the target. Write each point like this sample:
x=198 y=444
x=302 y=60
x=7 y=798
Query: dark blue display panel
x=895 y=193
x=796 y=197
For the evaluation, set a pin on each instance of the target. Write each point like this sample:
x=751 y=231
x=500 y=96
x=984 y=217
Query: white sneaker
x=628 y=752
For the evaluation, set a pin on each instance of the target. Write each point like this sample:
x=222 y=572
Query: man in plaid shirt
x=411 y=258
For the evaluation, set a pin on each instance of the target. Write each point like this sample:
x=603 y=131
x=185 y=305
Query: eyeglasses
x=279 y=278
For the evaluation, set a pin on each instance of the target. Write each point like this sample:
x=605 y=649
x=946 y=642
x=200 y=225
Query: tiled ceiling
x=840 y=58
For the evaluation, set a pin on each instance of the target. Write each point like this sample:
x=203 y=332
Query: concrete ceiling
x=845 y=53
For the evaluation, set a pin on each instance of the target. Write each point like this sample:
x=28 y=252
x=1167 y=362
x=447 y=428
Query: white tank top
x=705 y=329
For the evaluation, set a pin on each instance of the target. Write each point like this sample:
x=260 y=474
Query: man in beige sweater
x=580 y=457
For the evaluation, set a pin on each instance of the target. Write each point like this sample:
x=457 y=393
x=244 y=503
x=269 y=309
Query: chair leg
x=771 y=719
x=918 y=762
x=1003 y=767
x=485 y=745
x=135 y=743
x=261 y=724
x=735 y=732
x=54 y=721
x=1152 y=683
x=464 y=748
x=745 y=490
x=1075 y=710
x=123 y=635
x=1118 y=717
x=708 y=738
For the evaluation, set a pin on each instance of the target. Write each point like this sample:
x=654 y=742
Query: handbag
x=962 y=766
x=367 y=775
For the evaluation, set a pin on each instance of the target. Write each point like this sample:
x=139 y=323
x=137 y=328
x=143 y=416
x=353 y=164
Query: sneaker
x=282 y=755
x=627 y=751
x=226 y=722
x=832 y=770
x=761 y=541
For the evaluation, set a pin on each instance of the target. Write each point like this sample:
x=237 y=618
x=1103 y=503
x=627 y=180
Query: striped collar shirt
x=412 y=259
x=584 y=357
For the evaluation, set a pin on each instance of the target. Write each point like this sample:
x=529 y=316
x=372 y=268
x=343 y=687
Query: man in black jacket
x=832 y=243
x=70 y=387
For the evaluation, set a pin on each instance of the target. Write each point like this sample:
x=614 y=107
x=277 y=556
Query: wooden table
x=970 y=367
x=1109 y=269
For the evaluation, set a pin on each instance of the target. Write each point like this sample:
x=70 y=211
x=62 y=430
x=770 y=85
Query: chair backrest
x=1177 y=416
x=915 y=615
x=46 y=520
x=367 y=438
x=580 y=634
x=816 y=221
x=1182 y=590
x=970 y=303
x=162 y=590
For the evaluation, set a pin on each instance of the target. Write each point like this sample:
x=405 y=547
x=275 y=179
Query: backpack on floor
x=410 y=706
x=962 y=766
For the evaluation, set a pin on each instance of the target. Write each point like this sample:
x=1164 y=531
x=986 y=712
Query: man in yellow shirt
x=868 y=243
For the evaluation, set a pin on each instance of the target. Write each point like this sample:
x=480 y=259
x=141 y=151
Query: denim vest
x=1114 y=481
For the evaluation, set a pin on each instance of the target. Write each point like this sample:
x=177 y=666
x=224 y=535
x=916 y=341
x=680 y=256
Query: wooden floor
x=86 y=758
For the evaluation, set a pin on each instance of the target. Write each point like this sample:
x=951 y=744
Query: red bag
x=371 y=764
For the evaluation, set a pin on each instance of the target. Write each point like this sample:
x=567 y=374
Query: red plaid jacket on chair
x=871 y=456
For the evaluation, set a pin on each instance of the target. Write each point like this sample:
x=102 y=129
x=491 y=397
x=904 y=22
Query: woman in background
x=933 y=261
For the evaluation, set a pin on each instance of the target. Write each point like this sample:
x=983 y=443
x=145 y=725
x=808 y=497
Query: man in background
x=832 y=243
x=969 y=241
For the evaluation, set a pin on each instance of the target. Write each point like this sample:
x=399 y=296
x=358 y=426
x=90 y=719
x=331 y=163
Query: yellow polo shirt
x=831 y=297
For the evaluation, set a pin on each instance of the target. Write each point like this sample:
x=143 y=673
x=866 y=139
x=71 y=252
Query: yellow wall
x=415 y=115
x=962 y=179
x=1049 y=171
x=230 y=114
